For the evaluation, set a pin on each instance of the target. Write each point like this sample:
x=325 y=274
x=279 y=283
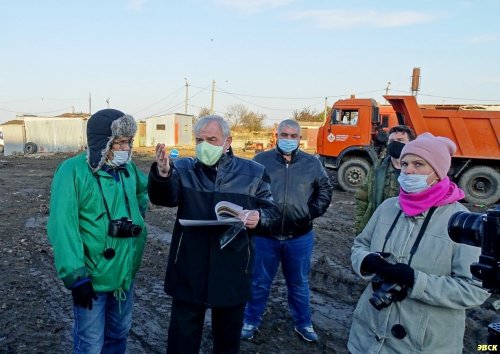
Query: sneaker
x=307 y=333
x=248 y=331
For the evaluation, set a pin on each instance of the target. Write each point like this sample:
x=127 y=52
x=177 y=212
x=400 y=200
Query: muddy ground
x=36 y=312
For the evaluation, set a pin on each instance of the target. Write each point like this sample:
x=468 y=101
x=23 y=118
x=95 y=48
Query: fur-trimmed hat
x=102 y=128
x=436 y=150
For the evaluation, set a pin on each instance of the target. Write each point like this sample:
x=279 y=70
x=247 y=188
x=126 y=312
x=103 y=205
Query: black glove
x=375 y=263
x=401 y=273
x=83 y=293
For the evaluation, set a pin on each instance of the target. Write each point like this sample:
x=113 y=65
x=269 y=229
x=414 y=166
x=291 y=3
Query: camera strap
x=389 y=233
x=104 y=199
x=420 y=232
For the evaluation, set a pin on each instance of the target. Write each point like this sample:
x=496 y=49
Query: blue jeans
x=103 y=329
x=295 y=258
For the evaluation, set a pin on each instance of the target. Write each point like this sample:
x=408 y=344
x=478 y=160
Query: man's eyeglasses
x=123 y=144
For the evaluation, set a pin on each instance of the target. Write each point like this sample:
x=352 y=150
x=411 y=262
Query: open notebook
x=227 y=214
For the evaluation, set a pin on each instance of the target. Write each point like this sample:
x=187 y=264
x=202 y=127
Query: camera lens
x=135 y=230
x=377 y=302
x=464 y=227
x=380 y=301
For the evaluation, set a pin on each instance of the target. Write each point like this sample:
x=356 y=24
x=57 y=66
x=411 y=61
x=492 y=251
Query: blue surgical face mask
x=413 y=183
x=288 y=145
x=120 y=157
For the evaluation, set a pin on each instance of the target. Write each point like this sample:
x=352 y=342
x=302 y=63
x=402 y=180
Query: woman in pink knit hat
x=420 y=279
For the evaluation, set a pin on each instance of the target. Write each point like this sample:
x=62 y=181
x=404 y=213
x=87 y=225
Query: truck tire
x=481 y=185
x=30 y=148
x=352 y=173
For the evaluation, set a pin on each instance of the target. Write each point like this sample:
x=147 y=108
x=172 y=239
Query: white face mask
x=413 y=183
x=120 y=157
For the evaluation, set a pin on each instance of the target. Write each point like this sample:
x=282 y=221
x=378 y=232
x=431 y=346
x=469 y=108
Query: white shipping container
x=171 y=130
x=56 y=134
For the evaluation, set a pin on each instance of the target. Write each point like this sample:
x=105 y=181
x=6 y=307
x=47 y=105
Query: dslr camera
x=385 y=292
x=123 y=228
x=480 y=230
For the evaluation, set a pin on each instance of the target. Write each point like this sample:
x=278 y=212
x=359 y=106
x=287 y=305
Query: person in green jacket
x=97 y=231
x=382 y=180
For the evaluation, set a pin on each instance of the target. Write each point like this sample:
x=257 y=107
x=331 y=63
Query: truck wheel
x=481 y=185
x=352 y=173
x=30 y=148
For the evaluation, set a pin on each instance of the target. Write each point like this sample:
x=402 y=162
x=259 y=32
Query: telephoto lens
x=464 y=227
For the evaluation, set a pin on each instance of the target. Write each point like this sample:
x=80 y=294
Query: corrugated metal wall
x=13 y=136
x=184 y=125
x=56 y=134
x=171 y=130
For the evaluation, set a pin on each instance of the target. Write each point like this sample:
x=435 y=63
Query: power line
x=42 y=99
x=36 y=113
x=167 y=111
x=161 y=99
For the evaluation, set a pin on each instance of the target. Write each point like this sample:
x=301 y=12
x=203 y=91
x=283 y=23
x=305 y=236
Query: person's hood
x=102 y=128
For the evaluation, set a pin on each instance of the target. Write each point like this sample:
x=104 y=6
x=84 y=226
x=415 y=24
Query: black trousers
x=186 y=328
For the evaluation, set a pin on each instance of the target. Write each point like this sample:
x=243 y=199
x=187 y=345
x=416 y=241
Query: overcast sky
x=273 y=56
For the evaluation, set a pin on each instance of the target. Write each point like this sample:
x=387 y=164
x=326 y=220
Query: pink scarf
x=442 y=193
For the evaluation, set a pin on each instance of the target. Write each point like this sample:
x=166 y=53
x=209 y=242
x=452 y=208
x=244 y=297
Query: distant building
x=13 y=137
x=32 y=134
x=309 y=132
x=170 y=129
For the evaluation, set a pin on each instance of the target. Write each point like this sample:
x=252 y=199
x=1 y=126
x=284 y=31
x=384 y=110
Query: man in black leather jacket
x=302 y=190
x=200 y=274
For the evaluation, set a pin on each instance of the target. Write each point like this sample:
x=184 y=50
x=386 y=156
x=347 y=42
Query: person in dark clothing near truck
x=302 y=190
x=382 y=180
x=200 y=274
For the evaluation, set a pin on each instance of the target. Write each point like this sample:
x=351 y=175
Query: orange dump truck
x=354 y=137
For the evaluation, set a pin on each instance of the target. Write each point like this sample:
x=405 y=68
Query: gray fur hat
x=102 y=128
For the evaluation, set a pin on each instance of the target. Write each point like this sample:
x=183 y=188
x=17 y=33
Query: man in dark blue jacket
x=200 y=273
x=302 y=190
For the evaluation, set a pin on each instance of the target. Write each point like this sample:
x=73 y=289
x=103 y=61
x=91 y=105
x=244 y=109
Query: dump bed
x=475 y=132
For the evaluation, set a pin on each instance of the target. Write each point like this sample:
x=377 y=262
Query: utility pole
x=90 y=104
x=326 y=109
x=387 y=88
x=213 y=96
x=186 y=101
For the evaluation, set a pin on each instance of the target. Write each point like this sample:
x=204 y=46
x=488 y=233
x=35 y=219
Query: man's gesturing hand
x=162 y=160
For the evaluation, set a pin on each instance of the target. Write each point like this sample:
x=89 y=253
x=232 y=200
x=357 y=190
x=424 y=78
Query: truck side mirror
x=375 y=115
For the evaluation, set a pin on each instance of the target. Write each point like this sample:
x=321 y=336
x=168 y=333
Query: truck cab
x=353 y=138
x=356 y=135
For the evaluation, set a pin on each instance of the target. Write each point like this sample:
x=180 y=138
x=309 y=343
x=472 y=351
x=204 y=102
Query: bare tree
x=235 y=114
x=253 y=121
x=308 y=115
x=204 y=111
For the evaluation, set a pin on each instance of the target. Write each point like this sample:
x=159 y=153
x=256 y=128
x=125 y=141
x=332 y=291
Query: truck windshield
x=344 y=117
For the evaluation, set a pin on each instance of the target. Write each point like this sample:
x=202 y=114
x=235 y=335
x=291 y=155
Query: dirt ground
x=35 y=308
